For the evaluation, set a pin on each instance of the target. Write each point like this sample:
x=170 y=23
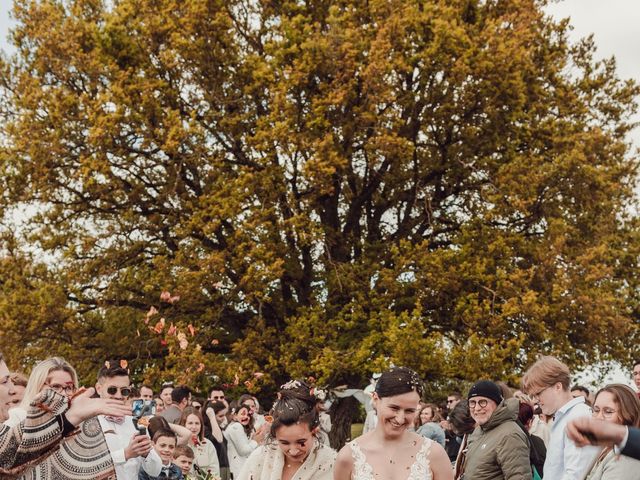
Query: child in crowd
x=164 y=443
x=183 y=457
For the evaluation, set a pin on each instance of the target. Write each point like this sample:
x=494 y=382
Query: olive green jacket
x=499 y=449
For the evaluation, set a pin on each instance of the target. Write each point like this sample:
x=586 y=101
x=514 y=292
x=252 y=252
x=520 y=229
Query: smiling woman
x=6 y=389
x=293 y=450
x=51 y=374
x=32 y=446
x=390 y=450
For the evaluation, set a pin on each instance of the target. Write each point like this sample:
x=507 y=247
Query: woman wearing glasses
x=31 y=450
x=616 y=404
x=51 y=374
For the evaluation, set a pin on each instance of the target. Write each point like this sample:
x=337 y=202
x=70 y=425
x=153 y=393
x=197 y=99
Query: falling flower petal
x=184 y=344
x=192 y=330
x=258 y=374
x=215 y=341
x=200 y=367
x=137 y=332
x=172 y=330
x=236 y=379
x=248 y=384
x=217 y=285
x=159 y=327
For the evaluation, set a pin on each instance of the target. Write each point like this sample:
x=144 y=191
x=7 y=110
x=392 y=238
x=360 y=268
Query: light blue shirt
x=566 y=461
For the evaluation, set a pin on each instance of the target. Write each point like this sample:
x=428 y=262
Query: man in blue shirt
x=548 y=382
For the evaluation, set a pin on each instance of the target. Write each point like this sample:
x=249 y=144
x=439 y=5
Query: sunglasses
x=124 y=391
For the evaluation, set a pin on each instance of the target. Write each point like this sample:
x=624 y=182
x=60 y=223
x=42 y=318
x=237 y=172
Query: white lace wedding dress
x=420 y=470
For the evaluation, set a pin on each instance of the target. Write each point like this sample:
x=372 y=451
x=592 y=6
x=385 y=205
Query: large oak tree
x=329 y=186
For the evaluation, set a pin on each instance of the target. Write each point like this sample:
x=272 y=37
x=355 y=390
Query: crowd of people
x=52 y=428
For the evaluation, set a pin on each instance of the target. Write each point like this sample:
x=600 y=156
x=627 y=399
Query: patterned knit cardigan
x=37 y=449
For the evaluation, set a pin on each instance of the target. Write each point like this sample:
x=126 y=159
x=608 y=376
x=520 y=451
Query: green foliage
x=330 y=187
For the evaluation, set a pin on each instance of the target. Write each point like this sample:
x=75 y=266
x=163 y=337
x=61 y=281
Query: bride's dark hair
x=295 y=404
x=398 y=380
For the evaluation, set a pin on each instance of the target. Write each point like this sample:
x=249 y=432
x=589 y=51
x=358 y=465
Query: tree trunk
x=342 y=412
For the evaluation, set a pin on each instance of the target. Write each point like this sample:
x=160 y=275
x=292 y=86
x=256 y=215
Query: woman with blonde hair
x=54 y=373
x=619 y=404
x=34 y=446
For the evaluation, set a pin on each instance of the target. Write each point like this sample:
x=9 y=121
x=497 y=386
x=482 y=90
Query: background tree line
x=327 y=186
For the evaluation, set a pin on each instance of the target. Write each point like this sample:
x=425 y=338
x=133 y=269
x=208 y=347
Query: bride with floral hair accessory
x=293 y=451
x=391 y=451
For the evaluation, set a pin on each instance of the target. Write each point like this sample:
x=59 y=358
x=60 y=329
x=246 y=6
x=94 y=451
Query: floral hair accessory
x=318 y=393
x=290 y=385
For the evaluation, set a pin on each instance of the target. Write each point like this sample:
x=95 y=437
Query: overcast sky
x=615 y=25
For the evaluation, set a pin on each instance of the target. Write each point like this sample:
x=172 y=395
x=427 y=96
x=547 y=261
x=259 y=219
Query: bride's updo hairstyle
x=295 y=404
x=397 y=381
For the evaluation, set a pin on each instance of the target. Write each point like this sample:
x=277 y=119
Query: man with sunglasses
x=452 y=441
x=129 y=449
x=216 y=394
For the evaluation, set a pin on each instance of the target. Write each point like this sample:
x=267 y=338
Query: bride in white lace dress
x=390 y=451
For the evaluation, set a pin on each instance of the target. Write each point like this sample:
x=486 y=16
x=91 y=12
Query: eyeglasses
x=606 y=412
x=124 y=391
x=63 y=389
x=536 y=396
x=450 y=401
x=480 y=403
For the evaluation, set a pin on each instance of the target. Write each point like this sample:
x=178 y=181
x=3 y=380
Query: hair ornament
x=318 y=393
x=290 y=385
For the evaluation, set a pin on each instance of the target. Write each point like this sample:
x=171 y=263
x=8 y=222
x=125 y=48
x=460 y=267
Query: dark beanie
x=486 y=388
